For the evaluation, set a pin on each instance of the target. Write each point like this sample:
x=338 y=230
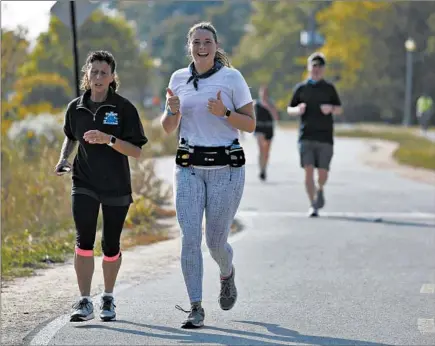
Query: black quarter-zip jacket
x=99 y=170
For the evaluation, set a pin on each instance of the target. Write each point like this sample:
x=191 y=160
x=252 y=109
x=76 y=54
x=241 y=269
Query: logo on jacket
x=111 y=118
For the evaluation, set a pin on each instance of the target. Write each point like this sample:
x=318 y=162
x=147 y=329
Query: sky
x=35 y=15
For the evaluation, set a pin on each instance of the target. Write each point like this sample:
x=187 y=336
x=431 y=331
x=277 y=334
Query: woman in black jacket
x=108 y=129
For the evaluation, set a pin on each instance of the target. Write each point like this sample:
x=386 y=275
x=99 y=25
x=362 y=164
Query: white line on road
x=398 y=215
x=426 y=325
x=47 y=333
x=427 y=288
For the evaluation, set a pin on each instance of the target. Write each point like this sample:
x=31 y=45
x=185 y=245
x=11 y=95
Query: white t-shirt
x=198 y=126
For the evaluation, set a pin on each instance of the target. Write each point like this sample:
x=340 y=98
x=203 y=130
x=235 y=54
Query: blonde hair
x=220 y=56
x=100 y=55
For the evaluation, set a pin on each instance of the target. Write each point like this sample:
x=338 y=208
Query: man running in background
x=316 y=101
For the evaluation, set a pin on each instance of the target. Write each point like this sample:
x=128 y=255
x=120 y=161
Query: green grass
x=413 y=150
x=22 y=253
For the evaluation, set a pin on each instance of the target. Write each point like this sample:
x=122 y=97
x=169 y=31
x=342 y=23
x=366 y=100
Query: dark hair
x=317 y=57
x=220 y=56
x=99 y=55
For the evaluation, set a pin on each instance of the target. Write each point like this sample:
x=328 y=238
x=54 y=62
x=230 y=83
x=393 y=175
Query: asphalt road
x=361 y=274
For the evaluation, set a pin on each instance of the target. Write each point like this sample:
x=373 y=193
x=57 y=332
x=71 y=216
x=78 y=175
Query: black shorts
x=85 y=211
x=317 y=154
x=266 y=131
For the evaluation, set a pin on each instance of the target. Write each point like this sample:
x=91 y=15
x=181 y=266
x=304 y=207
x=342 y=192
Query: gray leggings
x=217 y=192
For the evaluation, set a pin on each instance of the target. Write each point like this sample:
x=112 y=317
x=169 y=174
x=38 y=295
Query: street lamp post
x=410 y=48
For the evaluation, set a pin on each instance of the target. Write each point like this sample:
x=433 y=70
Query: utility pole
x=73 y=14
x=75 y=49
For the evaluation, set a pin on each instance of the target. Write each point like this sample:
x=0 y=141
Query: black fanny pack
x=232 y=155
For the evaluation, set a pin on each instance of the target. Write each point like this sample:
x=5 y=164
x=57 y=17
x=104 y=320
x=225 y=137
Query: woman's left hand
x=216 y=106
x=96 y=137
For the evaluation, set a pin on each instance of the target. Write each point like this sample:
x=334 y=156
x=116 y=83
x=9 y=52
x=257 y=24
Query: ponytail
x=222 y=57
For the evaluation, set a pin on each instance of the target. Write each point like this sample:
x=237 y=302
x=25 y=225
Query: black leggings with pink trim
x=85 y=212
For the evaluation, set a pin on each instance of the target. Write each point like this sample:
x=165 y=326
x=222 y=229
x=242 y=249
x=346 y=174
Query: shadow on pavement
x=227 y=336
x=381 y=220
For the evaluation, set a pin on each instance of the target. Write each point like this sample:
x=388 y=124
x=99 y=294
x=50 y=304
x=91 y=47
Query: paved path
x=361 y=274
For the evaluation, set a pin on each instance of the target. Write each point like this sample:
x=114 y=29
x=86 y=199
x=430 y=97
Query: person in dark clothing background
x=108 y=129
x=266 y=115
x=316 y=101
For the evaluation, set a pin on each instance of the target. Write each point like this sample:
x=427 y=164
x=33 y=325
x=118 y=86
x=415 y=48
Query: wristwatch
x=227 y=113
x=112 y=141
x=169 y=112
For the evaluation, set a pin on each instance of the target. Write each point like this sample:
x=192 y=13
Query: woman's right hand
x=173 y=102
x=62 y=167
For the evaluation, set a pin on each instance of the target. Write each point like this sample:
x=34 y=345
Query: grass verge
x=413 y=150
x=37 y=225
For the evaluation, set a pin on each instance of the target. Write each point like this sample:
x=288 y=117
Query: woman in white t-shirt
x=209 y=101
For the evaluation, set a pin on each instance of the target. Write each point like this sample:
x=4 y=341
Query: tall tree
x=365 y=45
x=230 y=20
x=15 y=88
x=13 y=53
x=174 y=51
x=163 y=26
x=271 y=52
x=100 y=31
x=150 y=14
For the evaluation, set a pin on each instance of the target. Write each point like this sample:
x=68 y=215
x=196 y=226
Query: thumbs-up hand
x=216 y=106
x=172 y=101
